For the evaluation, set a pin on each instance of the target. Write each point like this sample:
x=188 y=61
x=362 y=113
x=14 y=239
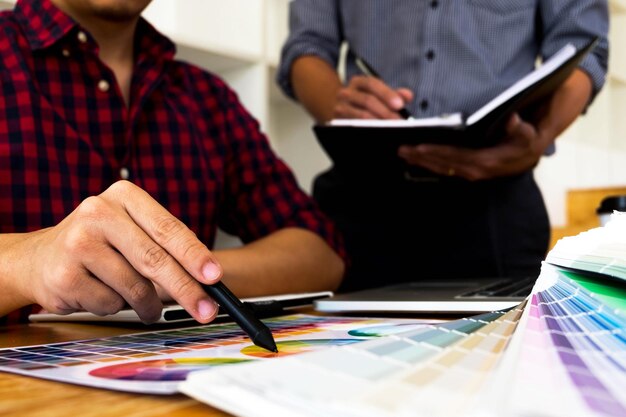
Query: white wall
x=592 y=152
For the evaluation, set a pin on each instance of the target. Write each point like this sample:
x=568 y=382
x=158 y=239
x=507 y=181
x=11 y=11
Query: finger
x=380 y=92
x=155 y=263
x=513 y=124
x=363 y=104
x=98 y=298
x=406 y=94
x=527 y=131
x=129 y=232
x=522 y=148
x=163 y=295
x=81 y=292
x=344 y=109
x=168 y=232
x=440 y=159
x=414 y=156
x=121 y=277
x=441 y=153
x=517 y=128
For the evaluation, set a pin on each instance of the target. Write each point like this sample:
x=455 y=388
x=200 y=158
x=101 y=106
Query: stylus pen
x=368 y=70
x=243 y=316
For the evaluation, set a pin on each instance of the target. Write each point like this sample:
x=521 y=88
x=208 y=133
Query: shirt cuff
x=596 y=73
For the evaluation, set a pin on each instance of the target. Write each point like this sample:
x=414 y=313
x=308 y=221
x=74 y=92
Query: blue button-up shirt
x=455 y=55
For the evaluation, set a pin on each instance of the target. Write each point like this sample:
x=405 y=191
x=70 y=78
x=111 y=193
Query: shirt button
x=82 y=37
x=430 y=55
x=424 y=104
x=65 y=52
x=103 y=85
x=434 y=4
x=124 y=173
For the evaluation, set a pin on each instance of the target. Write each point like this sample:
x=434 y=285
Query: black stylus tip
x=265 y=340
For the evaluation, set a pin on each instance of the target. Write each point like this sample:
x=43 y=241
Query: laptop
x=440 y=296
x=269 y=306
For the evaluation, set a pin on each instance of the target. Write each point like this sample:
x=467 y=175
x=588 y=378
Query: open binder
x=355 y=145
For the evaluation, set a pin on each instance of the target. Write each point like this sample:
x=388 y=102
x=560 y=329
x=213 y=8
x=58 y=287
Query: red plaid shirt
x=66 y=134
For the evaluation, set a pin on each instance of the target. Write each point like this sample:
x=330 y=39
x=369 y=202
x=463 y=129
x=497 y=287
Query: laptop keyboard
x=504 y=288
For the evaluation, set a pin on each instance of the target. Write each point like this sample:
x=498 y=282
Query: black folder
x=367 y=148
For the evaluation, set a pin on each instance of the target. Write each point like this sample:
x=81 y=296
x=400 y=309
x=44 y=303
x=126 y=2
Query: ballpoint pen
x=259 y=333
x=368 y=70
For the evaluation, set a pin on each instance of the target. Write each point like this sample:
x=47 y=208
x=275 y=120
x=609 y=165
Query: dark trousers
x=402 y=231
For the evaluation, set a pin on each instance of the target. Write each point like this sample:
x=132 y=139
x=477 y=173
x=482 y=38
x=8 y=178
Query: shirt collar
x=42 y=22
x=44 y=25
x=151 y=45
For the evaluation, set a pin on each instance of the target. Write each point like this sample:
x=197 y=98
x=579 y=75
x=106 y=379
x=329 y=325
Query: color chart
x=561 y=353
x=569 y=356
x=437 y=370
x=156 y=362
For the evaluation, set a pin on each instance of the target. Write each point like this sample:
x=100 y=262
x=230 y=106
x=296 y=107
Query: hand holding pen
x=368 y=70
x=368 y=97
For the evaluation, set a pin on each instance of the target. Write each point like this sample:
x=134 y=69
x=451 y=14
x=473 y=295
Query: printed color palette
x=294 y=347
x=169 y=369
x=155 y=362
x=436 y=370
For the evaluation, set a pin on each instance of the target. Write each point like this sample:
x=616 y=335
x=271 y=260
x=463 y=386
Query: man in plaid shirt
x=118 y=164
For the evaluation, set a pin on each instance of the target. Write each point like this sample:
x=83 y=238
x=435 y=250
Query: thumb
x=513 y=123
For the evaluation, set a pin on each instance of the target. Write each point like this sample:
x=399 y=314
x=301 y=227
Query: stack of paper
x=601 y=250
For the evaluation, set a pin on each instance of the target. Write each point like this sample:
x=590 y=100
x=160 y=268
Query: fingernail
x=211 y=272
x=397 y=102
x=206 y=309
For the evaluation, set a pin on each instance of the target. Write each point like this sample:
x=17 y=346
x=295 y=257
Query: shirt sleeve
x=261 y=192
x=314 y=29
x=577 y=22
x=19 y=315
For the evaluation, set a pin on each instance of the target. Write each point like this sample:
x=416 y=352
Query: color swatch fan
x=568 y=356
x=601 y=250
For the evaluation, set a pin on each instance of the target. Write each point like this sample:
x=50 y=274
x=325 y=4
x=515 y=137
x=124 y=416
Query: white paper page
x=455 y=119
x=547 y=68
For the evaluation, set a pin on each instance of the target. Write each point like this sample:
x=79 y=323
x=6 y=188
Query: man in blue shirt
x=439 y=57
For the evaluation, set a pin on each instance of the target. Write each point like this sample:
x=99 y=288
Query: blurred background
x=240 y=40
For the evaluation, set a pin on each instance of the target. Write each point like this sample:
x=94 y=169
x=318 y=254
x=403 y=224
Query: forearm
x=288 y=261
x=14 y=272
x=564 y=107
x=315 y=84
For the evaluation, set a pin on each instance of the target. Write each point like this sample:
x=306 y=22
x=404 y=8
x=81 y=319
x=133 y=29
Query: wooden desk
x=33 y=397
